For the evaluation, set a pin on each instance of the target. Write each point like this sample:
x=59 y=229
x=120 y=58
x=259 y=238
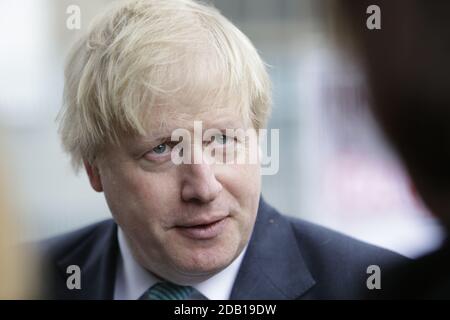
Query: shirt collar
x=132 y=280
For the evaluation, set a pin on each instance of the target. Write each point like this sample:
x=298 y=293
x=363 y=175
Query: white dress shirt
x=132 y=280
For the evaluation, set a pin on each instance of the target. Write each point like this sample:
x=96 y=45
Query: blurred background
x=335 y=167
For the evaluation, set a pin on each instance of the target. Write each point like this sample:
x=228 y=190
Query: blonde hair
x=140 y=53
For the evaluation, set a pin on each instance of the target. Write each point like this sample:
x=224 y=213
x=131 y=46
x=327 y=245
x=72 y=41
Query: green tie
x=168 y=291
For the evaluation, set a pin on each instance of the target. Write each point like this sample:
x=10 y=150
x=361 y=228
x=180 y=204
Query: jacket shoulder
x=319 y=238
x=71 y=241
x=93 y=249
x=340 y=264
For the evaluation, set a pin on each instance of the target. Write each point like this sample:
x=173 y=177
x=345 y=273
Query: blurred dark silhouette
x=407 y=63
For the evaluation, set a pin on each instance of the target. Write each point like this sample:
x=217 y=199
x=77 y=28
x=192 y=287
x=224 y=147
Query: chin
x=205 y=263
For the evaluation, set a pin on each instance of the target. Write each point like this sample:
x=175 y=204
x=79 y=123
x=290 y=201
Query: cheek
x=242 y=181
x=243 y=184
x=139 y=197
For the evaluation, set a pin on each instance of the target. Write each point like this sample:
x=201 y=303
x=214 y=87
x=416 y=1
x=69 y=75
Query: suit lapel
x=97 y=259
x=273 y=267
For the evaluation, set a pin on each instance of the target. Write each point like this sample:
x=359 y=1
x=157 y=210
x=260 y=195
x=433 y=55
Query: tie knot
x=169 y=291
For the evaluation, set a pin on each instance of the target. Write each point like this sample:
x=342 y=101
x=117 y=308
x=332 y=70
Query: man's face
x=183 y=222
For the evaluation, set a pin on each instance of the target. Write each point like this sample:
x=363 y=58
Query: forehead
x=199 y=89
x=165 y=119
x=182 y=111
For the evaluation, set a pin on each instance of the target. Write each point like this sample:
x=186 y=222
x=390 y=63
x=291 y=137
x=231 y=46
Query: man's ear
x=94 y=176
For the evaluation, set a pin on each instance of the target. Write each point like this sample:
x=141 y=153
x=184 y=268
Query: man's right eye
x=161 y=148
x=159 y=153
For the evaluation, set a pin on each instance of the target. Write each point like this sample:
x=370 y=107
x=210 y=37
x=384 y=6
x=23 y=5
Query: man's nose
x=199 y=183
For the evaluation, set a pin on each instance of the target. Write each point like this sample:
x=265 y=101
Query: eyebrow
x=165 y=131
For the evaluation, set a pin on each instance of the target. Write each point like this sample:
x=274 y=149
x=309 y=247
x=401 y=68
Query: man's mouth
x=203 y=230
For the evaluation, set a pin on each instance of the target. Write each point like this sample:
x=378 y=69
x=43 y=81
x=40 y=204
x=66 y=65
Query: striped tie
x=168 y=291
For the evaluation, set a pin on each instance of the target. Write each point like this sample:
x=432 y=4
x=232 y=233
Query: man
x=198 y=228
x=409 y=74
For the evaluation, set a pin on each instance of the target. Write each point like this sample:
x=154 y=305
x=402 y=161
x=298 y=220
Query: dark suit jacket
x=425 y=278
x=287 y=258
